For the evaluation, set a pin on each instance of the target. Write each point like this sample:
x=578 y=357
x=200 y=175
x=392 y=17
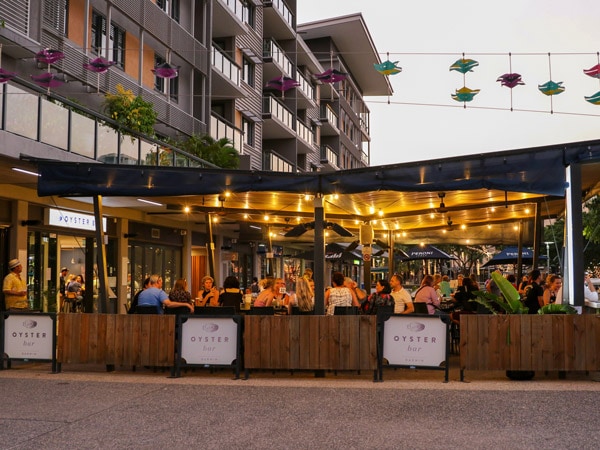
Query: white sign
x=209 y=340
x=415 y=341
x=73 y=220
x=28 y=336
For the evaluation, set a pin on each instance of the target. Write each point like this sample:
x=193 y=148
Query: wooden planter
x=310 y=342
x=116 y=339
x=530 y=342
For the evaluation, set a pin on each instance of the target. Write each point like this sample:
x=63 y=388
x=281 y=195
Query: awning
x=510 y=255
x=426 y=252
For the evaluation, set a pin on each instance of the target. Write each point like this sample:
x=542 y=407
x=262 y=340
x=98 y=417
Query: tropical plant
x=554 y=308
x=130 y=110
x=219 y=152
x=509 y=302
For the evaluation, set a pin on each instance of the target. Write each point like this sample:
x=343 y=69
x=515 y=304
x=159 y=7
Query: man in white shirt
x=402 y=300
x=589 y=290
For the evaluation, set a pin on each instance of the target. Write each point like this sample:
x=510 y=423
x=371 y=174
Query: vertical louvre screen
x=55 y=15
x=16 y=15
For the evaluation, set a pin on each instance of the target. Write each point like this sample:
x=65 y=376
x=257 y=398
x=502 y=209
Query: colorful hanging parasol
x=510 y=80
x=331 y=76
x=99 y=65
x=49 y=56
x=166 y=70
x=464 y=94
x=282 y=83
x=464 y=65
x=47 y=80
x=5 y=75
x=551 y=88
x=388 y=68
x=593 y=72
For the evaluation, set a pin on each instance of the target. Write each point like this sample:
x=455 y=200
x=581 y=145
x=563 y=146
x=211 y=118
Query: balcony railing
x=236 y=7
x=73 y=128
x=284 y=11
x=331 y=117
x=278 y=110
x=275 y=163
x=273 y=51
x=226 y=66
x=219 y=128
x=305 y=85
x=304 y=132
x=328 y=156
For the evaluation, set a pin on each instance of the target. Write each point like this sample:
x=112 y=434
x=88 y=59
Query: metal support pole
x=319 y=252
x=210 y=250
x=103 y=300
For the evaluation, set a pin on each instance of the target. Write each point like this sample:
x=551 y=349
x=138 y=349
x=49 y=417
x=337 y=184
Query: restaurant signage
x=28 y=336
x=211 y=341
x=415 y=341
x=73 y=220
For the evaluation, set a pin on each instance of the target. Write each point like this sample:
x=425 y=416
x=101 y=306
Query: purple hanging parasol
x=99 y=65
x=5 y=75
x=47 y=80
x=166 y=70
x=282 y=83
x=331 y=76
x=49 y=56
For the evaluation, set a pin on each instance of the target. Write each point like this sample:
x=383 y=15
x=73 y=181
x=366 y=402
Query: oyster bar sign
x=28 y=336
x=73 y=220
x=415 y=341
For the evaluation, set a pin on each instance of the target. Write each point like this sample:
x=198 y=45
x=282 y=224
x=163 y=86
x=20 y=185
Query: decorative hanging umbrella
x=510 y=80
x=388 y=68
x=464 y=65
x=282 y=83
x=47 y=80
x=331 y=76
x=49 y=56
x=5 y=75
x=594 y=72
x=166 y=70
x=551 y=88
x=464 y=94
x=99 y=65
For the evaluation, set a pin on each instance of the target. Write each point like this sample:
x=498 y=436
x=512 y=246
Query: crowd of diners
x=436 y=294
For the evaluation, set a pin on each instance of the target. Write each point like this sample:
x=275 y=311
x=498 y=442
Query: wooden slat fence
x=116 y=339
x=310 y=342
x=530 y=342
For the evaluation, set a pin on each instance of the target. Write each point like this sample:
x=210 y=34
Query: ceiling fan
x=442 y=208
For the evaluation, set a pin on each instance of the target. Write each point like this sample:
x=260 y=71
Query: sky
x=422 y=121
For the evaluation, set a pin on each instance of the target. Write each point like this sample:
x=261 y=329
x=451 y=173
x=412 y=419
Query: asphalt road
x=209 y=410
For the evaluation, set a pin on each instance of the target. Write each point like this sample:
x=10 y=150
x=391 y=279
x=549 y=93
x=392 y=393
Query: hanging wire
x=510 y=71
x=550 y=72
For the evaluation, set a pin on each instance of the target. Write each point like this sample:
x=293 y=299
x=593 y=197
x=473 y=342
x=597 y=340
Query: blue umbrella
x=510 y=255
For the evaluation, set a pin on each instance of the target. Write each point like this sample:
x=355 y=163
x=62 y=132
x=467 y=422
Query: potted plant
x=131 y=111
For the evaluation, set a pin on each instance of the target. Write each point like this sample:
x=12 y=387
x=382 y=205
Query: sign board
x=209 y=340
x=28 y=336
x=73 y=220
x=415 y=341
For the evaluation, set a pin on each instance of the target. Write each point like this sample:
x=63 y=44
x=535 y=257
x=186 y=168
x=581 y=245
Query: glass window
x=115 y=48
x=248 y=13
x=171 y=7
x=248 y=72
x=161 y=86
x=248 y=130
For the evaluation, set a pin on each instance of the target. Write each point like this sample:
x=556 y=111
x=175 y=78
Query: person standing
x=402 y=300
x=15 y=288
x=535 y=295
x=62 y=287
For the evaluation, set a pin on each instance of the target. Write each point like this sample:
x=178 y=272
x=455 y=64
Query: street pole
x=548 y=255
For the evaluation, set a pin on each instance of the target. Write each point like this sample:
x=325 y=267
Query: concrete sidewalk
x=85 y=407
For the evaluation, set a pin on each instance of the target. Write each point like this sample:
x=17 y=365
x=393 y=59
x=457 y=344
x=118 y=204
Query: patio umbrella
x=510 y=255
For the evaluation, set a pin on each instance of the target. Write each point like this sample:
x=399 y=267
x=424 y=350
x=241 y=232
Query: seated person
x=209 y=295
x=231 y=295
x=155 y=296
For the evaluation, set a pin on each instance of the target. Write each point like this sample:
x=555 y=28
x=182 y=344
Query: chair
x=420 y=308
x=387 y=309
x=178 y=310
x=296 y=312
x=345 y=310
x=143 y=309
x=215 y=311
x=261 y=311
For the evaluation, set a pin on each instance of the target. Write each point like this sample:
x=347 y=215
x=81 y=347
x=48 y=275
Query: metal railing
x=278 y=110
x=219 y=128
x=275 y=52
x=225 y=65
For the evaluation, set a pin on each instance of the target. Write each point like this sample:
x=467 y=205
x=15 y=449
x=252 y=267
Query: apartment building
x=228 y=55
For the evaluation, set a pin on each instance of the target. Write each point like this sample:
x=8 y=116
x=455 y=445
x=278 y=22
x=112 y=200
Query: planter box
x=310 y=342
x=530 y=342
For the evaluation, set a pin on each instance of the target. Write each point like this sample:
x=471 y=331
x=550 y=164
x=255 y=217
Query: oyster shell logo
x=210 y=327
x=416 y=326
x=30 y=323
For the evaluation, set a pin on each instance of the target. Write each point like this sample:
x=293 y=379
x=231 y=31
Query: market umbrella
x=510 y=255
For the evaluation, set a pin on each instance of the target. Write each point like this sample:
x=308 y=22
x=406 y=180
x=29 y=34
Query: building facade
x=230 y=56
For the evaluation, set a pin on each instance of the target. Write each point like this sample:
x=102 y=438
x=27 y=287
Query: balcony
x=228 y=18
x=278 y=120
x=272 y=161
x=329 y=159
x=275 y=60
x=307 y=138
x=57 y=128
x=219 y=128
x=226 y=76
x=279 y=21
x=306 y=91
x=329 y=121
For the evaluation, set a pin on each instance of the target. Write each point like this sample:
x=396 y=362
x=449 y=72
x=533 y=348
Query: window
x=55 y=15
x=248 y=72
x=248 y=13
x=171 y=7
x=248 y=130
x=116 y=45
x=161 y=86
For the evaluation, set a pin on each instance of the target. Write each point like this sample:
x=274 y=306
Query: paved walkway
x=85 y=407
